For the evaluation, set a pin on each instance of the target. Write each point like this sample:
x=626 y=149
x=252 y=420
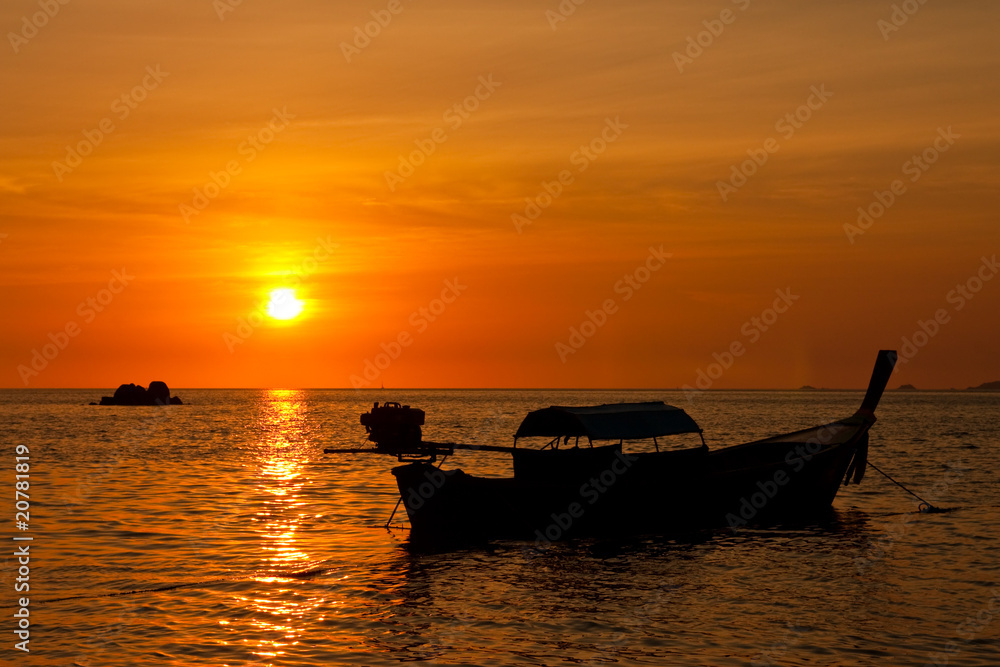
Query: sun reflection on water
x=280 y=612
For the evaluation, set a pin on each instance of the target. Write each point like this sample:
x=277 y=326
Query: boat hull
x=559 y=494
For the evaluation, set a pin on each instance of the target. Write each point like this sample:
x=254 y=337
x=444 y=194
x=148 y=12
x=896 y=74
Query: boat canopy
x=614 y=421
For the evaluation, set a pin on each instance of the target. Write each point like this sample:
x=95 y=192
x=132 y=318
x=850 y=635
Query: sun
x=283 y=304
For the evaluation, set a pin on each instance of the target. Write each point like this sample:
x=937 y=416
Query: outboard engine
x=394 y=428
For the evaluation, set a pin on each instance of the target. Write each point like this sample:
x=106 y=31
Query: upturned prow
x=884 y=363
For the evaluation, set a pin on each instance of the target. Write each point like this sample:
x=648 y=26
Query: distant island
x=135 y=394
x=986 y=386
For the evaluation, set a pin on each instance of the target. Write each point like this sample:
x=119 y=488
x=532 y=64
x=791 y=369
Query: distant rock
x=158 y=393
x=986 y=386
x=807 y=387
x=907 y=387
x=135 y=394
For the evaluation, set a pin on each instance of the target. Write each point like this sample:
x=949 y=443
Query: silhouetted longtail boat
x=564 y=491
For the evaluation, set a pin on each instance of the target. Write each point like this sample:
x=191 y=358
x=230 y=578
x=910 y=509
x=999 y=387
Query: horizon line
x=805 y=389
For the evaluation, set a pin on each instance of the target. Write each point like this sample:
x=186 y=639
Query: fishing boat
x=596 y=485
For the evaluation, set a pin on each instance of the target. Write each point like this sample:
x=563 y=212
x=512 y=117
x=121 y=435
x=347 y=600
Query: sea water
x=218 y=533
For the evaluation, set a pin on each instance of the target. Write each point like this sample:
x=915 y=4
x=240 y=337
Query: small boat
x=560 y=491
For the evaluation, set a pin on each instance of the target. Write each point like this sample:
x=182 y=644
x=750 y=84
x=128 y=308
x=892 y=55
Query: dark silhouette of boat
x=561 y=491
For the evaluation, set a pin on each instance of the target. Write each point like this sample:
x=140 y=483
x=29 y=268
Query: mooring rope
x=924 y=506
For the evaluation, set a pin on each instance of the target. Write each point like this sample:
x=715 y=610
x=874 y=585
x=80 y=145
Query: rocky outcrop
x=135 y=394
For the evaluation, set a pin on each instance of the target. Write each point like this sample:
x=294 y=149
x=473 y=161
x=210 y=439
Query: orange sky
x=330 y=116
